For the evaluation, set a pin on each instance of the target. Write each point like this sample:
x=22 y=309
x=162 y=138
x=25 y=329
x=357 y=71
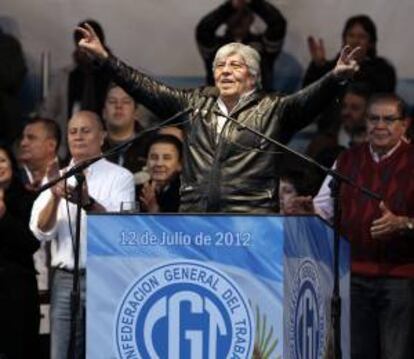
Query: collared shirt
x=344 y=139
x=323 y=202
x=108 y=184
x=28 y=174
x=221 y=120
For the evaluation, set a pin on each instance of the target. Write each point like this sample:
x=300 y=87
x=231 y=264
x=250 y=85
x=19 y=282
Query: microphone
x=142 y=176
x=211 y=94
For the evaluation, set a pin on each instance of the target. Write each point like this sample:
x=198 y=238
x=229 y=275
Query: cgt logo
x=184 y=310
x=307 y=326
x=307 y=321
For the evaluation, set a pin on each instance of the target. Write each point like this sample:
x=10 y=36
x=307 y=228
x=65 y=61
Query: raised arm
x=319 y=65
x=301 y=107
x=161 y=99
x=275 y=25
x=90 y=42
x=206 y=36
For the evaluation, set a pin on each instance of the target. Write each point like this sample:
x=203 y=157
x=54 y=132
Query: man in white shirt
x=53 y=218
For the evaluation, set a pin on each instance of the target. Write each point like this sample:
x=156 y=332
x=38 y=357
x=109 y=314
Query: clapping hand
x=148 y=197
x=299 y=205
x=317 y=50
x=62 y=190
x=387 y=224
x=52 y=172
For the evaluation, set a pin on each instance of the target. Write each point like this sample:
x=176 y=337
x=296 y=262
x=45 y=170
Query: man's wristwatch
x=89 y=205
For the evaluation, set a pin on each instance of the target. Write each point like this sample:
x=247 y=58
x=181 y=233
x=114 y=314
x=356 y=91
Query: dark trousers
x=19 y=314
x=382 y=318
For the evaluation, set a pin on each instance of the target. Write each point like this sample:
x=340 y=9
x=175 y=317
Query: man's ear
x=52 y=145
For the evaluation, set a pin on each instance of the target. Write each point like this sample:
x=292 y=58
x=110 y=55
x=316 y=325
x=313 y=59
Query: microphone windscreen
x=141 y=177
x=211 y=92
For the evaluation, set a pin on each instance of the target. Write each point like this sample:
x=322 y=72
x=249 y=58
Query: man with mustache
x=381 y=233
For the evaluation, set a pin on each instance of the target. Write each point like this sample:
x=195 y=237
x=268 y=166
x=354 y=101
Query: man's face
x=36 y=145
x=353 y=111
x=119 y=109
x=232 y=77
x=85 y=136
x=385 y=126
x=357 y=36
x=163 y=162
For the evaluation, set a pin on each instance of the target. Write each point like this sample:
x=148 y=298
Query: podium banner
x=207 y=286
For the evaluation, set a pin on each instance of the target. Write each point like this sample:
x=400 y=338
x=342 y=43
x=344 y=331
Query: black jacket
x=233 y=171
x=17 y=243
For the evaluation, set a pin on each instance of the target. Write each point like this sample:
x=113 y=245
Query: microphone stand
x=77 y=171
x=75 y=293
x=338 y=178
x=86 y=163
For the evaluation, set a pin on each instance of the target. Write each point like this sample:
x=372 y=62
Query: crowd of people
x=203 y=162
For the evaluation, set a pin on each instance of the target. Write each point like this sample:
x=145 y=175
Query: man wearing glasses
x=381 y=233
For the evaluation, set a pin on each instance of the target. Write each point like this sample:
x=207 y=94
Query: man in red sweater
x=381 y=233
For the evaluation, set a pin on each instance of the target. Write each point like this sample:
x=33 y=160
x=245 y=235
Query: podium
x=212 y=286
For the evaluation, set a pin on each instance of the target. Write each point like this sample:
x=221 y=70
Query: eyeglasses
x=388 y=120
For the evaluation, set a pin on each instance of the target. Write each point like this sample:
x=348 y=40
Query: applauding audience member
x=53 y=219
x=161 y=193
x=381 y=233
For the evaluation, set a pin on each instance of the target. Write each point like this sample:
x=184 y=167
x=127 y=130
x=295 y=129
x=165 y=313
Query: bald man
x=106 y=186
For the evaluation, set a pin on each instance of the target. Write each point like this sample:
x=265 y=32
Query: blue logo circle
x=307 y=318
x=184 y=309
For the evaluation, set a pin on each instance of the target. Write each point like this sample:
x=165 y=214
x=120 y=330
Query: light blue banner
x=209 y=286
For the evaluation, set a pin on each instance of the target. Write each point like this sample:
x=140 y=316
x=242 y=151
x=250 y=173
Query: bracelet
x=88 y=206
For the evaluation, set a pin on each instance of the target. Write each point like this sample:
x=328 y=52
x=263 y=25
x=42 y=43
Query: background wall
x=158 y=35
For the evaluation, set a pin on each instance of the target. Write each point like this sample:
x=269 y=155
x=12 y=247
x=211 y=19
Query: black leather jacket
x=234 y=171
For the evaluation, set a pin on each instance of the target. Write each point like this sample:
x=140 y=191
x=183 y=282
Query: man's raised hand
x=90 y=41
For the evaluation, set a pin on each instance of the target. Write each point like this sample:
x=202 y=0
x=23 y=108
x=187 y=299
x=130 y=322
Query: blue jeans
x=382 y=318
x=60 y=322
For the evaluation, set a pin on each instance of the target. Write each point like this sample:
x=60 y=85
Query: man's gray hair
x=250 y=56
